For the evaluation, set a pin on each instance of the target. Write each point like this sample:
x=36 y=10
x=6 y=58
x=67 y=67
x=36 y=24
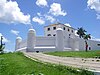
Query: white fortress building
x=58 y=37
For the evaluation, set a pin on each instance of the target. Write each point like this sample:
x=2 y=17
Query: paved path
x=85 y=63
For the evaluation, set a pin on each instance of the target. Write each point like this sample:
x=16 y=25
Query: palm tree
x=2 y=46
x=86 y=37
x=81 y=32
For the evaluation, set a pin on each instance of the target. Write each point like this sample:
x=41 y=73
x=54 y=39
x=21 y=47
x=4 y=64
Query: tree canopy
x=81 y=32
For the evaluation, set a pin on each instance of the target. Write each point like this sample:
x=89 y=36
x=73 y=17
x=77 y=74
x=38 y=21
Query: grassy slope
x=17 y=64
x=84 y=54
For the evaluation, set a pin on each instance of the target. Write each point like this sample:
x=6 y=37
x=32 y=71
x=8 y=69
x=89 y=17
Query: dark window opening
x=54 y=28
x=69 y=34
x=68 y=30
x=48 y=29
x=37 y=51
x=49 y=35
x=98 y=44
x=54 y=35
x=64 y=28
x=72 y=31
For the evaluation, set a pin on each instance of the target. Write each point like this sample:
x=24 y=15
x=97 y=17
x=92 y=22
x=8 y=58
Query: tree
x=2 y=46
x=81 y=32
x=86 y=37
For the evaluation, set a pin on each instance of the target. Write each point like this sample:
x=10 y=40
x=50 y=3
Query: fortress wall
x=91 y=43
x=81 y=44
x=45 y=41
x=23 y=44
x=59 y=42
x=94 y=44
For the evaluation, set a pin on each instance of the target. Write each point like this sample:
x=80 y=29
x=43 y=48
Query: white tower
x=31 y=39
x=18 y=41
x=60 y=39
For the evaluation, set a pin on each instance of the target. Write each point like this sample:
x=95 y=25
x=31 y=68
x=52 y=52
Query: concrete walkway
x=85 y=63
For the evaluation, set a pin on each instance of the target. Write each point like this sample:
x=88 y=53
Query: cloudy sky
x=16 y=17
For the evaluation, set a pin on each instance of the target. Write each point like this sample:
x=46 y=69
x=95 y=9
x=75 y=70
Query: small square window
x=54 y=35
x=48 y=29
x=68 y=29
x=72 y=31
x=54 y=28
x=98 y=44
x=64 y=28
x=49 y=35
x=69 y=34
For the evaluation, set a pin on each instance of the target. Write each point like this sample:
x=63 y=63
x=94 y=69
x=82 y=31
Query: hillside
x=18 y=64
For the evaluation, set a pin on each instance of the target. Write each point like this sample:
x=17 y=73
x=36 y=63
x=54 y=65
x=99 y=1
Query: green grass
x=83 y=54
x=18 y=64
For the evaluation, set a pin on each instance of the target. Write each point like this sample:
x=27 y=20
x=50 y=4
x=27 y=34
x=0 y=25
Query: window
x=49 y=35
x=48 y=29
x=68 y=29
x=54 y=35
x=54 y=28
x=72 y=31
x=64 y=28
x=69 y=35
x=98 y=44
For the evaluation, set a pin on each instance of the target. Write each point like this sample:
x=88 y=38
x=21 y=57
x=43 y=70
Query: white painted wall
x=60 y=42
x=60 y=39
x=94 y=44
x=91 y=43
x=18 y=43
x=50 y=42
x=45 y=41
x=52 y=32
x=66 y=32
x=23 y=44
x=31 y=40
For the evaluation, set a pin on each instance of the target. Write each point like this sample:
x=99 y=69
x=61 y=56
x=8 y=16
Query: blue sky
x=16 y=16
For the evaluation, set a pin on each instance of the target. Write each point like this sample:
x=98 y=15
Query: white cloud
x=56 y=10
x=44 y=18
x=38 y=20
x=50 y=18
x=41 y=3
x=39 y=14
x=67 y=24
x=4 y=39
x=14 y=32
x=94 y=5
x=47 y=17
x=98 y=16
x=11 y=13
